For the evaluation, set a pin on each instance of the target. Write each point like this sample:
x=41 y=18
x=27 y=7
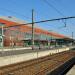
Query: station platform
x=14 y=56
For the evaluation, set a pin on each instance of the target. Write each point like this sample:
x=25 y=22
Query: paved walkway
x=17 y=51
x=71 y=71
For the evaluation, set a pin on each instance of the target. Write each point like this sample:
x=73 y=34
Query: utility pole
x=2 y=37
x=72 y=38
x=50 y=41
x=32 y=29
x=72 y=35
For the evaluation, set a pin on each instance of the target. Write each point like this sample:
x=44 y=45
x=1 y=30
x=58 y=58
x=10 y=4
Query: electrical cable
x=17 y=12
x=4 y=9
x=44 y=21
x=52 y=6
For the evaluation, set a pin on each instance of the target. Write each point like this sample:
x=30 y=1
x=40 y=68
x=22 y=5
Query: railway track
x=40 y=66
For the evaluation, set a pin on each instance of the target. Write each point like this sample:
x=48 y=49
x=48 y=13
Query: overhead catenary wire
x=45 y=21
x=12 y=1
x=63 y=8
x=64 y=21
x=7 y=10
x=28 y=17
x=52 y=6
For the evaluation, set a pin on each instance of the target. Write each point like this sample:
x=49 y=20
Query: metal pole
x=72 y=38
x=32 y=29
x=2 y=38
x=12 y=40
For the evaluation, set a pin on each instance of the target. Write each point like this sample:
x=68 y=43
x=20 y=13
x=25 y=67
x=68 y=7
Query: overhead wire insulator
x=65 y=23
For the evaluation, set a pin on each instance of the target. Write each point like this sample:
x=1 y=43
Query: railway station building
x=12 y=34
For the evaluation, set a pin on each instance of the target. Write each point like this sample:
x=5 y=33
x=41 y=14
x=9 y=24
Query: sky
x=22 y=9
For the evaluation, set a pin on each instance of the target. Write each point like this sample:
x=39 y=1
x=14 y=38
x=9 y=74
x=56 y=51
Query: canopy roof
x=27 y=28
